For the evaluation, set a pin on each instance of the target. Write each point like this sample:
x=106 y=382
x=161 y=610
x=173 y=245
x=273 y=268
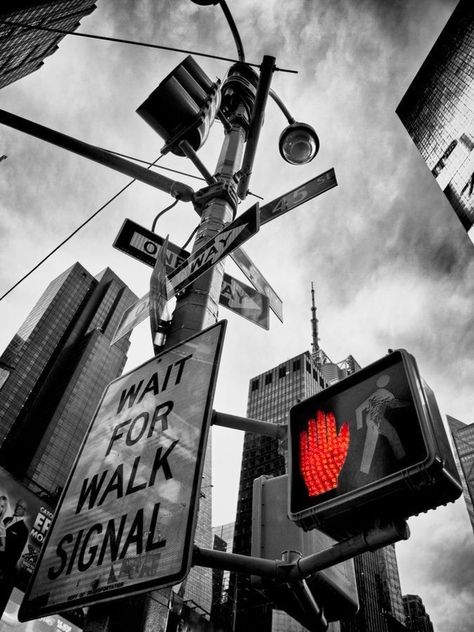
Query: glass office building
x=463 y=437
x=417 y=618
x=438 y=112
x=54 y=372
x=271 y=395
x=23 y=50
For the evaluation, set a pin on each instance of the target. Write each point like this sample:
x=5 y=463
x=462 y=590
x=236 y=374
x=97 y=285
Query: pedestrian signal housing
x=370 y=448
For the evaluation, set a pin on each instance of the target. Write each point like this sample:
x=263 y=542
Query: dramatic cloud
x=391 y=263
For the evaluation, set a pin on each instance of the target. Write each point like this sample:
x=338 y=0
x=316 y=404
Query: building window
x=268 y=378
x=255 y=385
x=296 y=365
x=308 y=367
x=321 y=381
x=282 y=371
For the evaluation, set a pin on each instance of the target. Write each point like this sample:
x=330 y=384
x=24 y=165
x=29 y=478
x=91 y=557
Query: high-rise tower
x=22 y=50
x=271 y=395
x=437 y=112
x=54 y=372
x=463 y=437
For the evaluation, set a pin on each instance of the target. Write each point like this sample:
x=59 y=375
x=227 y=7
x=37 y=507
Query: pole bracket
x=223 y=189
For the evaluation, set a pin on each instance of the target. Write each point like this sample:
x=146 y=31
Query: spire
x=314 y=327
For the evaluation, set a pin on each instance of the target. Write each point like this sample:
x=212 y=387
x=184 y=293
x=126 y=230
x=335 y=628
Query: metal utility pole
x=244 y=96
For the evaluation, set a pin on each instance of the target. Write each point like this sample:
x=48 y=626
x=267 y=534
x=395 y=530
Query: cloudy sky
x=391 y=263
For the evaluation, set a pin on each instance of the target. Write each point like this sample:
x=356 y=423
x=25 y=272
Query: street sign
x=259 y=282
x=300 y=195
x=215 y=249
x=371 y=447
x=158 y=299
x=277 y=207
x=235 y=295
x=126 y=519
x=245 y=301
x=131 y=317
x=144 y=245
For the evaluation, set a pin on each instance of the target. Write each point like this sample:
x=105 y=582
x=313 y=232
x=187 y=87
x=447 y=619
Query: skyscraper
x=54 y=372
x=417 y=618
x=22 y=50
x=437 y=111
x=271 y=395
x=380 y=597
x=463 y=437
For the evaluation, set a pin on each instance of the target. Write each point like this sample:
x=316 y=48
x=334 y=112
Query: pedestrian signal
x=369 y=448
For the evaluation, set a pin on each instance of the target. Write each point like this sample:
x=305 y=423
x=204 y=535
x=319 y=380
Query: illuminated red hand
x=322 y=453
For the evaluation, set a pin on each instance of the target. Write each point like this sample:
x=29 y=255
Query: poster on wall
x=24 y=522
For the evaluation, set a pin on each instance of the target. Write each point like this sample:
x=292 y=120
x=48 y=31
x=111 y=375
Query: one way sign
x=215 y=249
x=222 y=244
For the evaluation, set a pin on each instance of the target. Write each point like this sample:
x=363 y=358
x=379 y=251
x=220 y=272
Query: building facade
x=438 y=112
x=54 y=371
x=463 y=438
x=271 y=395
x=417 y=618
x=22 y=49
x=380 y=597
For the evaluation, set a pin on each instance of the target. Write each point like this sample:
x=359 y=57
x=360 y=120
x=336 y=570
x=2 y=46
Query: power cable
x=74 y=232
x=165 y=210
x=130 y=42
x=190 y=237
x=181 y=173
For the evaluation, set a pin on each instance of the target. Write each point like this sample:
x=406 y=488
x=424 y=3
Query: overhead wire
x=149 y=165
x=74 y=232
x=131 y=42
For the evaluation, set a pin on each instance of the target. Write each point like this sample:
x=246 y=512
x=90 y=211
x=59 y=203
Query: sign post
x=126 y=519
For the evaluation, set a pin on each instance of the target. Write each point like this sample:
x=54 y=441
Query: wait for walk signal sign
x=371 y=447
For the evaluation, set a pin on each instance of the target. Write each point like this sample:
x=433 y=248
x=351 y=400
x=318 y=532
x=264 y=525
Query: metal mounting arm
x=297 y=569
x=178 y=190
x=279 y=431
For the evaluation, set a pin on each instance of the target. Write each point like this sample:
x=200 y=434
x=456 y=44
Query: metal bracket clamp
x=223 y=189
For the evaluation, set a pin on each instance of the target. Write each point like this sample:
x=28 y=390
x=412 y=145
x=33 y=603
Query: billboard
x=24 y=522
x=125 y=522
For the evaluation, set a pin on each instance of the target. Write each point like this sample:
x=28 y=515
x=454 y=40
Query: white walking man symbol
x=374 y=408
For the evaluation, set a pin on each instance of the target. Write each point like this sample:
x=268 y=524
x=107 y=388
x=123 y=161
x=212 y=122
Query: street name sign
x=259 y=282
x=300 y=195
x=276 y=208
x=158 y=305
x=215 y=249
x=245 y=301
x=145 y=245
x=126 y=519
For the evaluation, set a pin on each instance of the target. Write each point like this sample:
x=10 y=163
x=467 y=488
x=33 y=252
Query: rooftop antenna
x=314 y=328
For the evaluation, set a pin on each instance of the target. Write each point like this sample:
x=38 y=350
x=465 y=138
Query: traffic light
x=369 y=448
x=182 y=107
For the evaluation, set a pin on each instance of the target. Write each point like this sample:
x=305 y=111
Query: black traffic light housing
x=370 y=448
x=182 y=107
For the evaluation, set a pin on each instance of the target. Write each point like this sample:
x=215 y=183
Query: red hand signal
x=322 y=453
